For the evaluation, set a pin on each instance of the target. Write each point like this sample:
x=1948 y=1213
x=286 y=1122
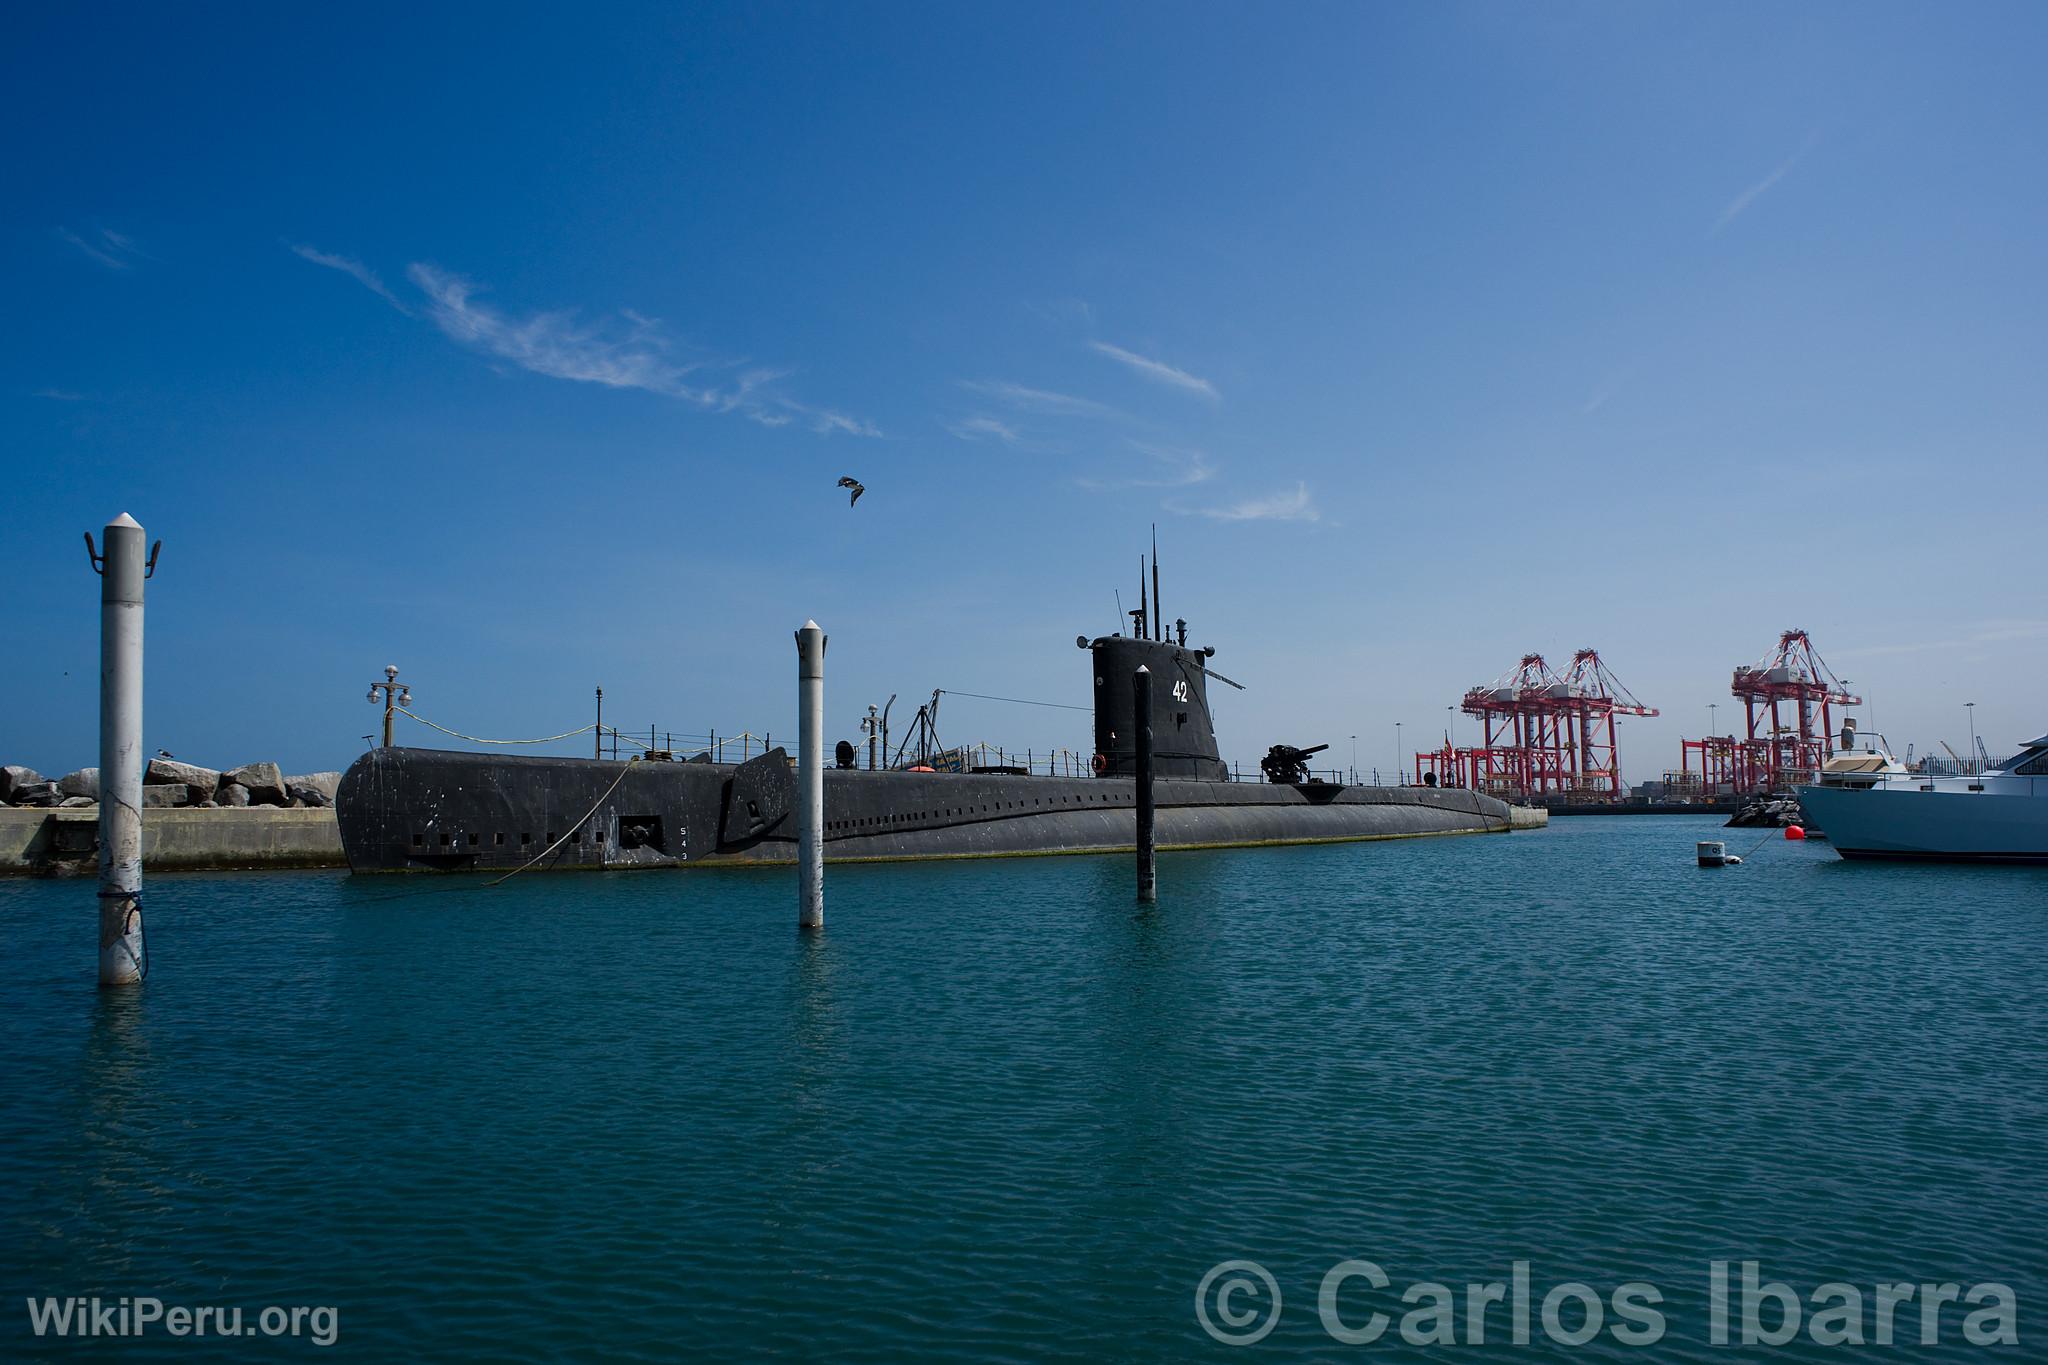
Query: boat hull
x=1930 y=826
x=434 y=810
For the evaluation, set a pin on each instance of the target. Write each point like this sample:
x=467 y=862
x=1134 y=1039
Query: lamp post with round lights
x=394 y=696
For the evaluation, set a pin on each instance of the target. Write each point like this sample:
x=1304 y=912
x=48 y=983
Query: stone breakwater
x=168 y=783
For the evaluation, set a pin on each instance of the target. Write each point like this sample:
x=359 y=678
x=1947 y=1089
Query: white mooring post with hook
x=810 y=776
x=122 y=569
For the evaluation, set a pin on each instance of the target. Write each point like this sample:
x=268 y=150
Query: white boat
x=1870 y=806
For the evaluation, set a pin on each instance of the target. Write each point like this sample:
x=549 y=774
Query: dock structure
x=1788 y=699
x=1544 y=736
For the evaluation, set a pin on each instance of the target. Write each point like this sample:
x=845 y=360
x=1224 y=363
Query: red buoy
x=1794 y=833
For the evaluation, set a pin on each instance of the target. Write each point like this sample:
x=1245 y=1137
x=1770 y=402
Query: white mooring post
x=810 y=776
x=121 y=572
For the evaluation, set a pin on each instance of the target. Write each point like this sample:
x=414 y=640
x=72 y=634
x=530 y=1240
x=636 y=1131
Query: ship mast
x=1158 y=612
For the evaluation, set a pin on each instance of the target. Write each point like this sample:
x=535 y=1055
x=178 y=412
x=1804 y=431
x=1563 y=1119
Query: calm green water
x=997 y=1111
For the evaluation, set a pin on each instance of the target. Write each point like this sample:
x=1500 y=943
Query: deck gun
x=1286 y=765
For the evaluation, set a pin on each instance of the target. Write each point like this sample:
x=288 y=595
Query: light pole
x=1354 y=760
x=1869 y=711
x=1400 y=759
x=1713 y=725
x=1971 y=707
x=394 y=696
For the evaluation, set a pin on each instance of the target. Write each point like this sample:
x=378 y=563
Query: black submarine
x=406 y=810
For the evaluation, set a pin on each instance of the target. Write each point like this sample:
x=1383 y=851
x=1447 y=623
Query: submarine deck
x=434 y=810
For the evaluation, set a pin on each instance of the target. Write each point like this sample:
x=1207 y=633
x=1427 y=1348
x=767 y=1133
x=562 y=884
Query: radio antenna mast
x=1143 y=620
x=1158 y=612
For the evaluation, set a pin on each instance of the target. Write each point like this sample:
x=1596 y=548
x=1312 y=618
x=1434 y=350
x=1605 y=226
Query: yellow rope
x=474 y=739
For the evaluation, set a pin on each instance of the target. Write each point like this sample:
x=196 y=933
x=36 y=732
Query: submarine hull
x=405 y=810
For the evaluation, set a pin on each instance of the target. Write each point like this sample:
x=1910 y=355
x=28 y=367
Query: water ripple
x=999 y=1111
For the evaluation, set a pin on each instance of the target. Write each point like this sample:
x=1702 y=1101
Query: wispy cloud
x=825 y=421
x=1741 y=202
x=1288 y=505
x=354 y=269
x=985 y=428
x=1983 y=633
x=59 y=395
x=1038 y=400
x=1069 y=312
x=111 y=249
x=556 y=344
x=1156 y=370
x=1171 y=467
x=625 y=351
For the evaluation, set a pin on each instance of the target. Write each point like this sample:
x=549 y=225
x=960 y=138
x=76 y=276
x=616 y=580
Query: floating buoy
x=1714 y=853
x=1793 y=833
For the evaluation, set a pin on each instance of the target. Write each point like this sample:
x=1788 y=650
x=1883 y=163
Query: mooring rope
x=477 y=739
x=1014 y=701
x=1759 y=844
x=571 y=830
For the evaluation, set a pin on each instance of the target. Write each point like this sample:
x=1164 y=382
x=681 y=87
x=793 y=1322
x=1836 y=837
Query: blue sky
x=523 y=348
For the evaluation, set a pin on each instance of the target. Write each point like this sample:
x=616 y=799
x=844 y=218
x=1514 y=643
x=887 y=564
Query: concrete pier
x=60 y=843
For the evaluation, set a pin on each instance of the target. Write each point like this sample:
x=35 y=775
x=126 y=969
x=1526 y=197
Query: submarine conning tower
x=1183 y=734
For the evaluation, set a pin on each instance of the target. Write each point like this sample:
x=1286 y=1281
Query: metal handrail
x=619 y=742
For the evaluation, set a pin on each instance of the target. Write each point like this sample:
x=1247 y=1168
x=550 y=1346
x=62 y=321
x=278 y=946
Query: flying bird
x=856 y=485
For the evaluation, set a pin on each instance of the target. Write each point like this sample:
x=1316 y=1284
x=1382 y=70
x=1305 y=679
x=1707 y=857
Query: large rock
x=231 y=794
x=263 y=782
x=37 y=794
x=74 y=802
x=324 y=783
x=16 y=778
x=306 y=795
x=84 y=782
x=168 y=772
x=167 y=795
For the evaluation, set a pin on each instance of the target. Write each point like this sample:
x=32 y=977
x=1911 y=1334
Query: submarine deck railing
x=1060 y=762
x=618 y=743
